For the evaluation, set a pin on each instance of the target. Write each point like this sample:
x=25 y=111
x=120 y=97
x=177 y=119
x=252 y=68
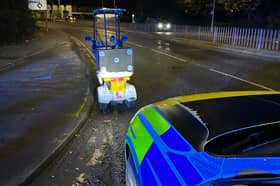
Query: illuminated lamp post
x=213 y=15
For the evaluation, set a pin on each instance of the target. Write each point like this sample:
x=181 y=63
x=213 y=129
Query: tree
x=202 y=7
x=13 y=5
x=233 y=12
x=241 y=9
x=16 y=22
x=240 y=5
x=197 y=7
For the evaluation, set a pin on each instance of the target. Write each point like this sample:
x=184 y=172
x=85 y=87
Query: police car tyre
x=130 y=178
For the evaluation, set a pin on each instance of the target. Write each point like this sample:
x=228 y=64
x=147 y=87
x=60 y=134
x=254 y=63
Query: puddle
x=43 y=78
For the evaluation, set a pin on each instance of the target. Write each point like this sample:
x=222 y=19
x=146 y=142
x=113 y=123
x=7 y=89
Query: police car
x=224 y=138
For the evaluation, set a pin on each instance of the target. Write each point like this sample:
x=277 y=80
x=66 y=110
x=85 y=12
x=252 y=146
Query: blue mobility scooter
x=114 y=63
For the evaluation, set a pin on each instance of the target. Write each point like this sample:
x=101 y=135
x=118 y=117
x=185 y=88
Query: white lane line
x=174 y=57
x=135 y=44
x=216 y=71
x=240 y=79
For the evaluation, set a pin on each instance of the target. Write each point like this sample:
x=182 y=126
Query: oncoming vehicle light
x=168 y=25
x=160 y=25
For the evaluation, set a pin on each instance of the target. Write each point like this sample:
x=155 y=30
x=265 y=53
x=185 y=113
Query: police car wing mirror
x=88 y=38
x=124 y=38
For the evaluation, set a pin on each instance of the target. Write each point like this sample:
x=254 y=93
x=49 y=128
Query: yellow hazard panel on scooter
x=118 y=85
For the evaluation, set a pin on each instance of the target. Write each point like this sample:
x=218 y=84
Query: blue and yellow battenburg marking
x=163 y=157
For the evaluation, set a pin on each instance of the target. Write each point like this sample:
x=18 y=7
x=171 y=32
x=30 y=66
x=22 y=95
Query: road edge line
x=240 y=79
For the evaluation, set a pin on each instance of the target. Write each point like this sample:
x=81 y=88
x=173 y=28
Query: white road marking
x=135 y=44
x=243 y=80
x=169 y=55
x=216 y=71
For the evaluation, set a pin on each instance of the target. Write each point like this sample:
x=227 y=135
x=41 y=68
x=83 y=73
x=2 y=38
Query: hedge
x=15 y=25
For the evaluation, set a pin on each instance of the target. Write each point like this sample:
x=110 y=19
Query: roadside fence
x=255 y=38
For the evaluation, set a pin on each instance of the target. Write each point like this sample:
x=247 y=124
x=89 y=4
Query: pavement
x=14 y=55
x=45 y=98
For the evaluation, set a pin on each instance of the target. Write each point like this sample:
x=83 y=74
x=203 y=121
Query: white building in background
x=59 y=12
x=54 y=12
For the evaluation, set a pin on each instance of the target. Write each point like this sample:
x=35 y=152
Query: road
x=164 y=67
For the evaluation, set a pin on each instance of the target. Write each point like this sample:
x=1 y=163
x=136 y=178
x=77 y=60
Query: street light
x=52 y=10
x=133 y=18
x=213 y=15
x=59 y=8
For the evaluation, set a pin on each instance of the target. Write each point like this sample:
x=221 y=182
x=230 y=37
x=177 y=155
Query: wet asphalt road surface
x=38 y=101
x=163 y=68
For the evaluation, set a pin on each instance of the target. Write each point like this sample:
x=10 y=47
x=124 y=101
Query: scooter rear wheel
x=102 y=107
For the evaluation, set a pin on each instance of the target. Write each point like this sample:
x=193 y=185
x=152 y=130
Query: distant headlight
x=160 y=25
x=168 y=25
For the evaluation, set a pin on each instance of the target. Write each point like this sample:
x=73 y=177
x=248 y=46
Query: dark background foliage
x=245 y=13
x=16 y=22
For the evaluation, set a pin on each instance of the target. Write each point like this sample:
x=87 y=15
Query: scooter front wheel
x=102 y=107
x=130 y=104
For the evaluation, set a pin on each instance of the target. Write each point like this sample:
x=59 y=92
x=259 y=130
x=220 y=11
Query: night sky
x=142 y=8
x=266 y=15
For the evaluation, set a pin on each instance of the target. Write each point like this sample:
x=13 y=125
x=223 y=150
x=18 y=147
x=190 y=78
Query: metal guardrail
x=256 y=38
